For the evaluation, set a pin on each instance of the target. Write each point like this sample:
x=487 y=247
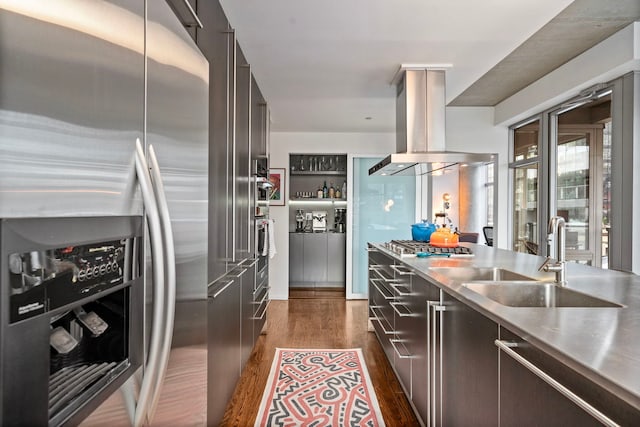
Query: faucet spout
x=557 y=227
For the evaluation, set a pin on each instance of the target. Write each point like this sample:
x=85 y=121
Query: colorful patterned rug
x=319 y=388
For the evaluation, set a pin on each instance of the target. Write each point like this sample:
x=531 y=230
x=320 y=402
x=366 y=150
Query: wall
x=471 y=129
x=284 y=143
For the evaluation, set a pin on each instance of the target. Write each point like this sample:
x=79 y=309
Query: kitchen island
x=464 y=357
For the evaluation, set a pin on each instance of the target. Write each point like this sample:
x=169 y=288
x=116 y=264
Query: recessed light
x=368 y=118
x=400 y=166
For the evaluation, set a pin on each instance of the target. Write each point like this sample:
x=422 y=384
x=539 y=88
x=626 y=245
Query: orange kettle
x=443 y=237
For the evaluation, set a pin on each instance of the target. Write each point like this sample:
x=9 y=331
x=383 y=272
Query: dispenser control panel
x=44 y=280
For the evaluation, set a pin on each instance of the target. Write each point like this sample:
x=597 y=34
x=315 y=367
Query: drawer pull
x=401 y=309
x=398 y=343
x=385 y=294
x=402 y=270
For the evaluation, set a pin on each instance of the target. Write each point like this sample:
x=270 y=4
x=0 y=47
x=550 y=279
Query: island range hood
x=420 y=127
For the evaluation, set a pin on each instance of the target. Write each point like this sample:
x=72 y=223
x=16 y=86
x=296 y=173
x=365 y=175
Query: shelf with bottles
x=312 y=188
x=318 y=164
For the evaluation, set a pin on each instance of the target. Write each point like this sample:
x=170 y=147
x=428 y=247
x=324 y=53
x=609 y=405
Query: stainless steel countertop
x=603 y=344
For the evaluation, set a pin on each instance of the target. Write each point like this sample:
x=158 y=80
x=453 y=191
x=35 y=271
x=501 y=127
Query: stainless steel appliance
x=80 y=82
x=410 y=248
x=420 y=127
x=319 y=221
x=72 y=298
x=340 y=220
x=299 y=220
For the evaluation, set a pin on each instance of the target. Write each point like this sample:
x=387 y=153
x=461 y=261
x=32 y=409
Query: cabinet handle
x=221 y=290
x=378 y=272
x=434 y=310
x=371 y=249
x=374 y=266
x=382 y=323
x=407 y=312
x=253 y=262
x=401 y=289
x=261 y=315
x=193 y=15
x=400 y=269
x=508 y=346
x=265 y=297
x=400 y=355
x=235 y=276
x=386 y=295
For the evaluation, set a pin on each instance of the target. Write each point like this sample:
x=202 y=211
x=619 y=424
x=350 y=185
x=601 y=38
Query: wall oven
x=71 y=301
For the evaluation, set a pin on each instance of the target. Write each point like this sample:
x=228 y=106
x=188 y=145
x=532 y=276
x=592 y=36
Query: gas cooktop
x=410 y=248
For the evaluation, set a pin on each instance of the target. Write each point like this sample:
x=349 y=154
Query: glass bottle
x=332 y=191
x=325 y=190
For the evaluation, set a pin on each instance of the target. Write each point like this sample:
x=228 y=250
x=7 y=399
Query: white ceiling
x=324 y=66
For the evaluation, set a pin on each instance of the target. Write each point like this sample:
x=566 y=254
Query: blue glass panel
x=383 y=209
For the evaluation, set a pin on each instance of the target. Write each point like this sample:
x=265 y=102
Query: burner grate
x=413 y=247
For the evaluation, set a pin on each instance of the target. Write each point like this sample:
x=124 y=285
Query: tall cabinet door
x=217 y=42
x=242 y=158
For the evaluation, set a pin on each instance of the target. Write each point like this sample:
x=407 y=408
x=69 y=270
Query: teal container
x=422 y=231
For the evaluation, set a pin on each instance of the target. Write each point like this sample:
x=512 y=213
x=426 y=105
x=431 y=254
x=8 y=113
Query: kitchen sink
x=536 y=295
x=470 y=274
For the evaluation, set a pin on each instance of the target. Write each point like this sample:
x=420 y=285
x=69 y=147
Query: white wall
x=471 y=129
x=284 y=143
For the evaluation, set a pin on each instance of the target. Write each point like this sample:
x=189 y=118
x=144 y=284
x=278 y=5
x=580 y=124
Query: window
x=524 y=169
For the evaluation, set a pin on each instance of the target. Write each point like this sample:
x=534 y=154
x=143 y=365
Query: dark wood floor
x=317 y=323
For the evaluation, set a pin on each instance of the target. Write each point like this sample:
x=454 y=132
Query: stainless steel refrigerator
x=80 y=82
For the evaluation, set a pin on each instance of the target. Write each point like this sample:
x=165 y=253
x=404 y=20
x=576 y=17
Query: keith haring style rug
x=319 y=388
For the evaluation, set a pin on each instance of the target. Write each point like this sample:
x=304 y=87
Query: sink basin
x=536 y=295
x=470 y=274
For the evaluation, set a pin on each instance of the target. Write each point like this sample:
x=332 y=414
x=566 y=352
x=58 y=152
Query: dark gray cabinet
x=242 y=201
x=296 y=259
x=381 y=295
x=336 y=258
x=317 y=259
x=247 y=311
x=223 y=350
x=419 y=342
x=314 y=257
x=260 y=300
x=217 y=42
x=238 y=133
x=469 y=366
x=528 y=400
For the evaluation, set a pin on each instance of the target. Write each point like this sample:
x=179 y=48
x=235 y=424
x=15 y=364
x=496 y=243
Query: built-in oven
x=262 y=248
x=71 y=315
x=263 y=185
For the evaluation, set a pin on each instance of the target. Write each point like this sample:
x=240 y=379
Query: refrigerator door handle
x=155 y=238
x=170 y=278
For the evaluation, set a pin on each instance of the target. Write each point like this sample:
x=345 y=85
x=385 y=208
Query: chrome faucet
x=557 y=228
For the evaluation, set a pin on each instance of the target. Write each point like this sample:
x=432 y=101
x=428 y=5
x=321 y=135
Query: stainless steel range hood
x=420 y=127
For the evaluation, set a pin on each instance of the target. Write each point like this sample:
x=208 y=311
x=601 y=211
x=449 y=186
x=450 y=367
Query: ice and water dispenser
x=71 y=300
